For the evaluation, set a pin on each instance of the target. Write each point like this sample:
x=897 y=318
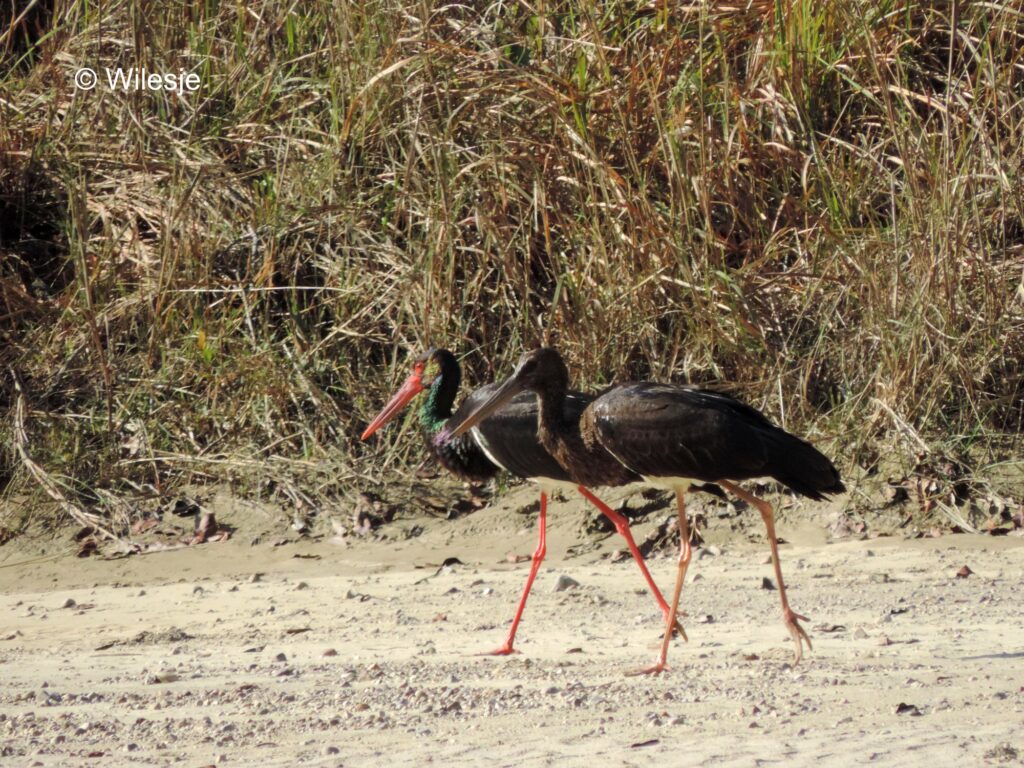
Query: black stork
x=507 y=440
x=672 y=436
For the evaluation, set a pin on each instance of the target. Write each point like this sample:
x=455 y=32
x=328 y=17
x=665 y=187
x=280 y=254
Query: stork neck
x=441 y=397
x=437 y=407
x=551 y=413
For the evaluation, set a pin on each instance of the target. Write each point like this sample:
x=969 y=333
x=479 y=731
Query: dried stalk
x=80 y=516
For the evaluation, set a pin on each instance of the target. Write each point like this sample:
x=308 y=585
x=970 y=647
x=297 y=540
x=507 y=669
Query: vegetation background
x=819 y=203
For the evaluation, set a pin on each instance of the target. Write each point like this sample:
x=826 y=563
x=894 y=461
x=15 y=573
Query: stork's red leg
x=538 y=557
x=622 y=526
x=789 y=618
x=685 y=555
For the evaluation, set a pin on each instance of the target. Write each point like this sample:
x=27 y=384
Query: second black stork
x=507 y=440
x=673 y=436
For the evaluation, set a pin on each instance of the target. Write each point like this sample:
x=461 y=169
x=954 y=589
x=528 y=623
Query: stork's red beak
x=412 y=387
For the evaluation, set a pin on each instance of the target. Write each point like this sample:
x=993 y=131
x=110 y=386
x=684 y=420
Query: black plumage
x=463 y=457
x=507 y=439
x=672 y=436
x=666 y=430
x=509 y=436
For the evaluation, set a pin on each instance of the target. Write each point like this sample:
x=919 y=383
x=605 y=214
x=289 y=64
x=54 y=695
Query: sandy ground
x=310 y=653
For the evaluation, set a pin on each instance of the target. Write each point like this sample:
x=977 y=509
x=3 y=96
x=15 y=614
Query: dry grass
x=820 y=203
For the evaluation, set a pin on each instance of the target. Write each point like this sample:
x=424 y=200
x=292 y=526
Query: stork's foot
x=792 y=621
x=505 y=650
x=657 y=669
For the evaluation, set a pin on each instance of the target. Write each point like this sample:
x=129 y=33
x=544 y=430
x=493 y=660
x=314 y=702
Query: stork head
x=427 y=369
x=540 y=370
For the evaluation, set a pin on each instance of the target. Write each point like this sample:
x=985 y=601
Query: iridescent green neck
x=443 y=390
x=435 y=411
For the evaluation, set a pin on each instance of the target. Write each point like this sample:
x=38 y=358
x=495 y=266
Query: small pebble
x=565 y=582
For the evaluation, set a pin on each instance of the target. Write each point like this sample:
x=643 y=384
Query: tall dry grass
x=819 y=203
